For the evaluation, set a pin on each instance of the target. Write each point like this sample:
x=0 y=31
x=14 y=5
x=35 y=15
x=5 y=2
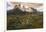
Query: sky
x=27 y=1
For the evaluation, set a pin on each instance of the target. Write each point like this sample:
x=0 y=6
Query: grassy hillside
x=24 y=20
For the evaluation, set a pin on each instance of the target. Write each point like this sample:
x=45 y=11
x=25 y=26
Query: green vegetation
x=24 y=20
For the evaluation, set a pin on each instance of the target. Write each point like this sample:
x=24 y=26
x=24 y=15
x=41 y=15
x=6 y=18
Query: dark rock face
x=18 y=11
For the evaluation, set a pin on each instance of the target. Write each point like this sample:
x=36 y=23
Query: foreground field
x=27 y=21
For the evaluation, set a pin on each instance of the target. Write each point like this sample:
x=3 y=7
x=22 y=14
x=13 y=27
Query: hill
x=17 y=19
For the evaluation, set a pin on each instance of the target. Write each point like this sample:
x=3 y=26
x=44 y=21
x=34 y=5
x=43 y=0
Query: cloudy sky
x=36 y=5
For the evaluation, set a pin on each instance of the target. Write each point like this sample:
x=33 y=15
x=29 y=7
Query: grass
x=24 y=22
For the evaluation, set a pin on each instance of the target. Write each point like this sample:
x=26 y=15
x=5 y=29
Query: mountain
x=16 y=11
